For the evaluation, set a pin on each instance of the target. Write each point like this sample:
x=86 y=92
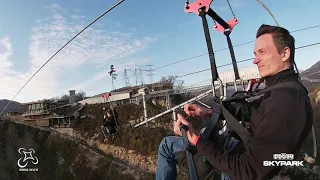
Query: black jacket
x=280 y=124
x=112 y=120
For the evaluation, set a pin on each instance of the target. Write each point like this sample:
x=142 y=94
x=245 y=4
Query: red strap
x=252 y=82
x=195 y=140
x=198 y=4
x=231 y=24
x=260 y=81
x=106 y=95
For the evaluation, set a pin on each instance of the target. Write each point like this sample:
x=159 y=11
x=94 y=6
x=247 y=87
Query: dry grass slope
x=60 y=157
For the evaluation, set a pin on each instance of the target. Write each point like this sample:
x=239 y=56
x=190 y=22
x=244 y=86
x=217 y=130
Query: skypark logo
x=282 y=163
x=283 y=159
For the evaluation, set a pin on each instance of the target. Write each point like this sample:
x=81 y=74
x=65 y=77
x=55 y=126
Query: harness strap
x=234 y=124
x=288 y=84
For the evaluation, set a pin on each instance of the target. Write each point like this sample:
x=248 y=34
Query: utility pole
x=138 y=74
x=135 y=74
x=141 y=75
x=149 y=71
x=113 y=75
x=126 y=77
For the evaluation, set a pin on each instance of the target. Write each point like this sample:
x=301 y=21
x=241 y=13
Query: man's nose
x=256 y=60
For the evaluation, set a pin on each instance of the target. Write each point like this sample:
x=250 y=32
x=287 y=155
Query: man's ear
x=286 y=54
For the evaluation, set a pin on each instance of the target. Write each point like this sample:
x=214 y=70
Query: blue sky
x=135 y=33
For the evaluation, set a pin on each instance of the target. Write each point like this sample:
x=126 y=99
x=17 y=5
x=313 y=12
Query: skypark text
x=282 y=163
x=283 y=159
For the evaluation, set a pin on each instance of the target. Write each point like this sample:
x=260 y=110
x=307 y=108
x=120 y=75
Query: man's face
x=267 y=58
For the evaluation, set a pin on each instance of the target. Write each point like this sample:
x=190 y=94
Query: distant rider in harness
x=109 y=122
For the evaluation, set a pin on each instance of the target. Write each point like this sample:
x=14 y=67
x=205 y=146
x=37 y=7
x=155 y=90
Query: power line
x=141 y=75
x=61 y=49
x=305 y=28
x=241 y=44
x=126 y=77
x=135 y=74
x=149 y=70
x=196 y=72
x=244 y=60
x=308 y=45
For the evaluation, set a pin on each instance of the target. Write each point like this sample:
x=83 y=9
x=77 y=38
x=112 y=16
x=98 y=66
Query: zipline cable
x=61 y=49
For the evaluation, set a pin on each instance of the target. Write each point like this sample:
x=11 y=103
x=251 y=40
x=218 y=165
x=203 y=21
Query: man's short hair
x=281 y=38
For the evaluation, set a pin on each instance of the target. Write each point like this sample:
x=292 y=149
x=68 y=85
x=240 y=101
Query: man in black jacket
x=109 y=122
x=279 y=125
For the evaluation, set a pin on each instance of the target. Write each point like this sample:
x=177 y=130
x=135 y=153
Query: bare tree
x=171 y=82
x=80 y=96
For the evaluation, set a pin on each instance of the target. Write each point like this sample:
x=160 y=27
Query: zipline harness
x=107 y=99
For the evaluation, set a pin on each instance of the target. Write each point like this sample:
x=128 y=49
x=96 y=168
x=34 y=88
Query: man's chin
x=263 y=75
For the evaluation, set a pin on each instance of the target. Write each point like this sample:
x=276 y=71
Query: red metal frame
x=198 y=4
x=231 y=24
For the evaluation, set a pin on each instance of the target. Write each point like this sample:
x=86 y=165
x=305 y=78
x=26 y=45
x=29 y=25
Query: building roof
x=112 y=93
x=32 y=102
x=68 y=111
x=71 y=110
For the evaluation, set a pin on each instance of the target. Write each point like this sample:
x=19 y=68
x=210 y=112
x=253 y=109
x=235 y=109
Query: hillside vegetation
x=59 y=157
x=145 y=140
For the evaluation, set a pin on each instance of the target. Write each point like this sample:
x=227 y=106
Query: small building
x=66 y=116
x=35 y=113
x=47 y=113
x=13 y=116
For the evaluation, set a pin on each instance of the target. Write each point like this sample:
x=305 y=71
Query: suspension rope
x=268 y=10
x=234 y=16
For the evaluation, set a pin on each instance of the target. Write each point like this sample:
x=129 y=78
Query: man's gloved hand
x=196 y=110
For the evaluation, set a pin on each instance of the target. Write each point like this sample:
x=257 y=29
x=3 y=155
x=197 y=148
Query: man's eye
x=262 y=51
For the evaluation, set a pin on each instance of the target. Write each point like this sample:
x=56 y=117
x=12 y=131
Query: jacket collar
x=283 y=76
